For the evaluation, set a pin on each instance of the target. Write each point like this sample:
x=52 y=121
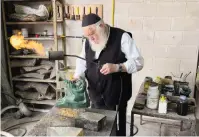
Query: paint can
x=153 y=96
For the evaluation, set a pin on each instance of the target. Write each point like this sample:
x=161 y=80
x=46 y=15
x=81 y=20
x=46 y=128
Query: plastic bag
x=41 y=11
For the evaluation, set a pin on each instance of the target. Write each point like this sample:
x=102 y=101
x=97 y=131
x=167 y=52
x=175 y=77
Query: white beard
x=97 y=47
x=103 y=38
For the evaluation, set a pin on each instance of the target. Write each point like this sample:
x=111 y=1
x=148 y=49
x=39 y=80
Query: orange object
x=18 y=42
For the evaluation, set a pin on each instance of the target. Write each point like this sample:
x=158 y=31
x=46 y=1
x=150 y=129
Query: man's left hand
x=109 y=68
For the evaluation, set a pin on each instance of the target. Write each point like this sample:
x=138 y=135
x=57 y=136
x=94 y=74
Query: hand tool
x=77 y=17
x=73 y=16
x=181 y=75
x=83 y=13
x=186 y=75
x=96 y=10
x=89 y=10
x=67 y=12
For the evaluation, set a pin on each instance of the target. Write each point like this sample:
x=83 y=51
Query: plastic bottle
x=162 y=105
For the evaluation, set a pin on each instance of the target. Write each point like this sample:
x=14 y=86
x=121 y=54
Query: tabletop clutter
x=166 y=94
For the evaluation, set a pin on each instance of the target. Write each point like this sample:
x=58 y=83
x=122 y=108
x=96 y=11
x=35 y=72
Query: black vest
x=108 y=86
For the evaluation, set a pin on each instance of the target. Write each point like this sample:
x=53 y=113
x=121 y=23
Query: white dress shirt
x=133 y=64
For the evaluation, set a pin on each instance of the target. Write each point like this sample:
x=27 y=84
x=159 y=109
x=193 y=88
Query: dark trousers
x=122 y=115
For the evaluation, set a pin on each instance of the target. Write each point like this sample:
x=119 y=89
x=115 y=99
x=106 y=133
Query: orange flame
x=18 y=42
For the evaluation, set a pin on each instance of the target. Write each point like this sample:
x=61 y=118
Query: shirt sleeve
x=135 y=61
x=80 y=64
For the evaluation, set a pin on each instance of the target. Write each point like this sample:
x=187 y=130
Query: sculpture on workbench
x=75 y=95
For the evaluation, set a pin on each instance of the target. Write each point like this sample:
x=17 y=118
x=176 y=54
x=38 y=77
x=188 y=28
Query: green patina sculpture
x=75 y=95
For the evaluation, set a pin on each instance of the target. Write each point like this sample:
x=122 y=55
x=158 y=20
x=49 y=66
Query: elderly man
x=111 y=57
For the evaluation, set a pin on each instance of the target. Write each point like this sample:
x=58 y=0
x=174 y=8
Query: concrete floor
x=147 y=129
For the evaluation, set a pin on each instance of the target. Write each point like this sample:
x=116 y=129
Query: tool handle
x=84 y=10
x=73 y=11
x=89 y=9
x=77 y=10
x=96 y=10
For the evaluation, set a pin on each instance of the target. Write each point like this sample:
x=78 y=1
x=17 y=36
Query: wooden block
x=91 y=121
x=64 y=131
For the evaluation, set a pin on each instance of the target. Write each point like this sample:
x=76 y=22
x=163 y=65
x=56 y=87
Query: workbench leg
x=160 y=129
x=132 y=124
x=181 y=126
x=141 y=120
x=193 y=128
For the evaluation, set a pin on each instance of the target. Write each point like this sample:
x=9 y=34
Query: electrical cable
x=25 y=130
x=135 y=127
x=120 y=98
x=21 y=124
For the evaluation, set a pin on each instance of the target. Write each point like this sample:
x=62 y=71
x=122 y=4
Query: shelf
x=25 y=0
x=46 y=102
x=33 y=80
x=39 y=38
x=27 y=23
x=28 y=56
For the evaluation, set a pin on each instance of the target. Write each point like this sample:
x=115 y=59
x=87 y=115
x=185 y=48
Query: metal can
x=147 y=82
x=45 y=33
x=24 y=32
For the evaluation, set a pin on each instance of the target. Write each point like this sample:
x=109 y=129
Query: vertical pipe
x=55 y=24
x=55 y=39
x=113 y=12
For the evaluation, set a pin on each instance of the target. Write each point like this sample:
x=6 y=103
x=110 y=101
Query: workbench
x=52 y=119
x=190 y=117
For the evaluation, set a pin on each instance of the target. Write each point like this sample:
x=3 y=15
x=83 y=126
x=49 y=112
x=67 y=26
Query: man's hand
x=74 y=79
x=109 y=68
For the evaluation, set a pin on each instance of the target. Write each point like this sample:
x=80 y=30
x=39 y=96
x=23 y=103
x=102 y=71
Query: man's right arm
x=80 y=64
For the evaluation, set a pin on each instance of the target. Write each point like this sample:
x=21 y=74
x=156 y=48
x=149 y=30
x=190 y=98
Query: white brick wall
x=171 y=9
x=152 y=24
x=168 y=37
x=165 y=31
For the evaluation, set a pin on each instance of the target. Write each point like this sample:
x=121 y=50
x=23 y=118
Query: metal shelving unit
x=54 y=38
x=31 y=23
x=45 y=102
x=33 y=80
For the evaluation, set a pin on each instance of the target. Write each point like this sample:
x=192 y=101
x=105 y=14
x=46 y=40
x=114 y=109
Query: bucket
x=153 y=96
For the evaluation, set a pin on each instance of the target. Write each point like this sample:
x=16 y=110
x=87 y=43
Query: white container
x=24 y=32
x=162 y=108
x=152 y=97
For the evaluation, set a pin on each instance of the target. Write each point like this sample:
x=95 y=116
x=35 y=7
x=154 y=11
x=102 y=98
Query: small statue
x=75 y=95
